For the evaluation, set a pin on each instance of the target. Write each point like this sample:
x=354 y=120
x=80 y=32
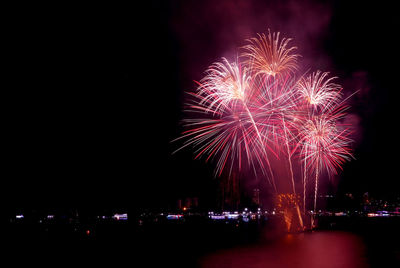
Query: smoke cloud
x=208 y=30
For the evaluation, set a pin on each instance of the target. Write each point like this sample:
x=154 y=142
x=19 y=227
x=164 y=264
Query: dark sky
x=96 y=92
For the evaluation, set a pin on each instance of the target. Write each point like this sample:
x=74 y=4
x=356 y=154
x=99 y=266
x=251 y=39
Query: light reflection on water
x=305 y=250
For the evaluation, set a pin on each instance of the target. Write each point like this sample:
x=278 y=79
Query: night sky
x=96 y=94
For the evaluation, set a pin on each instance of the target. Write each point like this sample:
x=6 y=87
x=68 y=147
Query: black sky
x=95 y=96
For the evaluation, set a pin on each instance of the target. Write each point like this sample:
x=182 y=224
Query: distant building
x=195 y=202
x=256 y=197
x=230 y=194
x=188 y=202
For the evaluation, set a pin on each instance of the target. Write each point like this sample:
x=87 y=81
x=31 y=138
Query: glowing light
x=123 y=217
x=174 y=216
x=217 y=217
x=233 y=216
x=289 y=205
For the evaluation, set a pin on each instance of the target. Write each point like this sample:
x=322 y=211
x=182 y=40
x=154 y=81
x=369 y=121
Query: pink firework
x=319 y=91
x=225 y=84
x=225 y=128
x=270 y=55
x=276 y=106
x=227 y=137
x=324 y=145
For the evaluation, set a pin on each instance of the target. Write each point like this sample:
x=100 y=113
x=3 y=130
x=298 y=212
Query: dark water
x=319 y=249
x=341 y=242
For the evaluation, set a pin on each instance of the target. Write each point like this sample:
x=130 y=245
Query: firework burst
x=224 y=84
x=319 y=91
x=324 y=145
x=269 y=55
x=227 y=136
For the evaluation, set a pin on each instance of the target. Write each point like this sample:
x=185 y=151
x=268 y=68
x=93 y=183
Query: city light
x=174 y=216
x=122 y=217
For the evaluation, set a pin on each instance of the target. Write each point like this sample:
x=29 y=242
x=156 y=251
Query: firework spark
x=224 y=84
x=319 y=91
x=324 y=146
x=269 y=55
x=227 y=92
x=228 y=136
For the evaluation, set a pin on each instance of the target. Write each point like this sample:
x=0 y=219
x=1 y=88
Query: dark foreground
x=340 y=242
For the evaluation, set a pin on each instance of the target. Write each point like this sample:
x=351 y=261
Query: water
x=342 y=242
x=318 y=249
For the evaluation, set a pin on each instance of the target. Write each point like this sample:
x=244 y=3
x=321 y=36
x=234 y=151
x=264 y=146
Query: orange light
x=184 y=208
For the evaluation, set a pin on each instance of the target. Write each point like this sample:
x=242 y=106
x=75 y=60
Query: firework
x=227 y=92
x=227 y=136
x=319 y=91
x=323 y=109
x=225 y=84
x=325 y=145
x=269 y=55
x=244 y=112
